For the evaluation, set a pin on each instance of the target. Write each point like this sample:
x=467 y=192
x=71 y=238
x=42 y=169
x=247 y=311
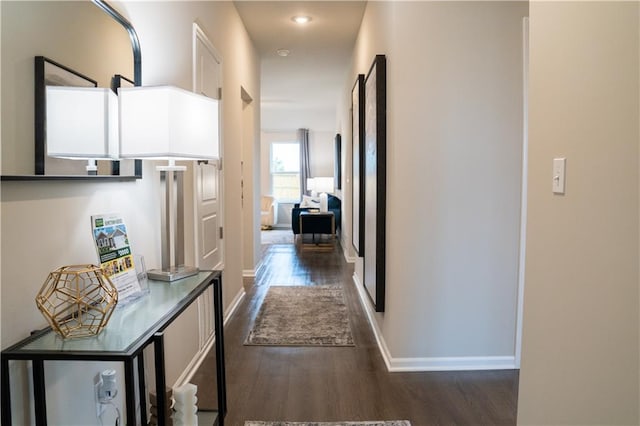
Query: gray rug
x=277 y=236
x=302 y=316
x=380 y=423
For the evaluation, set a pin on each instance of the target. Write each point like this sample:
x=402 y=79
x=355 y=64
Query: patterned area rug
x=302 y=316
x=381 y=423
x=277 y=236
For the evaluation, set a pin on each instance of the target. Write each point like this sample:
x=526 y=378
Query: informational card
x=116 y=257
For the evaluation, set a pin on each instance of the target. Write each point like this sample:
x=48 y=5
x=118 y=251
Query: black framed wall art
x=337 y=163
x=357 y=169
x=375 y=176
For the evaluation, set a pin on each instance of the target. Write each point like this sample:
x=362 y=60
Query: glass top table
x=131 y=328
x=128 y=324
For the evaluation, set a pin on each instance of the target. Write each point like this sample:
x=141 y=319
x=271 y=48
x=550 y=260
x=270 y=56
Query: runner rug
x=388 y=423
x=302 y=316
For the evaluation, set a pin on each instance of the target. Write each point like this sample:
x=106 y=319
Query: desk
x=317 y=223
x=130 y=329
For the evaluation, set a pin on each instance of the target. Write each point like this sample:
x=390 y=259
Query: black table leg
x=6 y=393
x=158 y=349
x=39 y=398
x=130 y=391
x=142 y=389
x=218 y=326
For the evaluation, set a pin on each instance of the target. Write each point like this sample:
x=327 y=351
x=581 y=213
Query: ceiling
x=302 y=90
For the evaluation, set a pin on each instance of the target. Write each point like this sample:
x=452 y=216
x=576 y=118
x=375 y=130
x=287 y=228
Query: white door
x=207 y=77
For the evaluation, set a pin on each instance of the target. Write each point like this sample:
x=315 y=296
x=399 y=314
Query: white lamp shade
x=81 y=122
x=324 y=184
x=167 y=123
x=311 y=184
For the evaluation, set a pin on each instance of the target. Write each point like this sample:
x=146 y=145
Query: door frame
x=523 y=195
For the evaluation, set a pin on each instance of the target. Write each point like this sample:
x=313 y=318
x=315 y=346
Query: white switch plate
x=559 y=165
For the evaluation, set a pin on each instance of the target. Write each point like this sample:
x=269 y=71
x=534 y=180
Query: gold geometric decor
x=77 y=300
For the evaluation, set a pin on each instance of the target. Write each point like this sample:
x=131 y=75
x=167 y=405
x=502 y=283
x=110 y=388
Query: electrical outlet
x=96 y=392
x=104 y=390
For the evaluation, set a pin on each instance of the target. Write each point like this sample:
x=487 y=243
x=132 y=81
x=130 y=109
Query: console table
x=317 y=223
x=130 y=329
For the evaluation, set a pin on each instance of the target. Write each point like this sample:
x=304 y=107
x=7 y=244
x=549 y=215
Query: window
x=285 y=171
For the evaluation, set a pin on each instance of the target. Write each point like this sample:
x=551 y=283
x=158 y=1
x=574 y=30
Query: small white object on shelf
x=185 y=405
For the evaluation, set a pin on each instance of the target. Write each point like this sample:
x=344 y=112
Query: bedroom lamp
x=82 y=124
x=323 y=185
x=168 y=123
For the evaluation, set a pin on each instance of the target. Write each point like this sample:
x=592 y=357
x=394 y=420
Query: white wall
x=580 y=336
x=454 y=146
x=321 y=153
x=251 y=189
x=45 y=225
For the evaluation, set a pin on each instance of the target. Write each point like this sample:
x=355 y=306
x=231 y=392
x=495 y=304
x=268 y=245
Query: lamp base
x=324 y=203
x=172 y=274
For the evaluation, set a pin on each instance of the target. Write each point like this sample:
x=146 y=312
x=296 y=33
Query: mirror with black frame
x=58 y=43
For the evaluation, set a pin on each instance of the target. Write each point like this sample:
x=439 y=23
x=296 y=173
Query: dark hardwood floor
x=344 y=383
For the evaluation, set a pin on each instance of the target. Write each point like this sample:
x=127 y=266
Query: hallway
x=344 y=383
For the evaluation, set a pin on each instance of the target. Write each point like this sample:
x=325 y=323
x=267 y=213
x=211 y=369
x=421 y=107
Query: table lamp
x=311 y=187
x=168 y=123
x=82 y=123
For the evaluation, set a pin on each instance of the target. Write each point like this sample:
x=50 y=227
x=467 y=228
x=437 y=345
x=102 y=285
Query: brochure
x=116 y=257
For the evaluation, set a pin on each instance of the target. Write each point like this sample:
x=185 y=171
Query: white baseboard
x=233 y=306
x=345 y=251
x=248 y=273
x=364 y=301
x=347 y=258
x=199 y=357
x=463 y=363
x=428 y=363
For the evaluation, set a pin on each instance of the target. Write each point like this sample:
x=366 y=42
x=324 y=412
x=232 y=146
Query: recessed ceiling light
x=283 y=52
x=300 y=19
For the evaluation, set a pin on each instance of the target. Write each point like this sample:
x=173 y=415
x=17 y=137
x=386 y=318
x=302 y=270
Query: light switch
x=559 y=165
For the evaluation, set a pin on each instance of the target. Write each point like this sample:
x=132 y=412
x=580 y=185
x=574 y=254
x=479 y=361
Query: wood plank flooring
x=344 y=383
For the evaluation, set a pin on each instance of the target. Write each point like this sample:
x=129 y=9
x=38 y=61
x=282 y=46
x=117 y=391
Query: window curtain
x=303 y=140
